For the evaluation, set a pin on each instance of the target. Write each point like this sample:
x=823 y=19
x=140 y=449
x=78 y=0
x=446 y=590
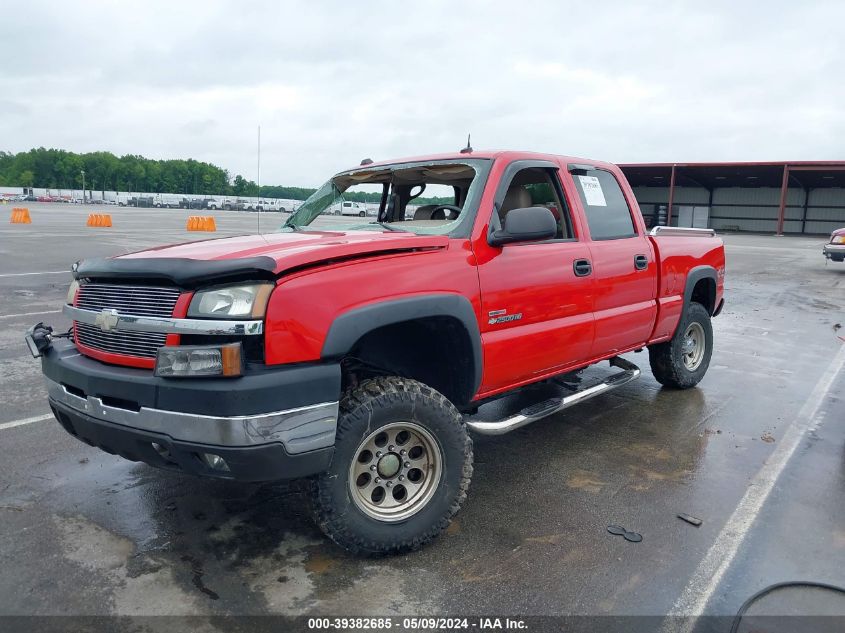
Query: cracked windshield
x=428 y=198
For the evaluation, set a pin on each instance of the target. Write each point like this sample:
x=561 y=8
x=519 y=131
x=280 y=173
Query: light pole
x=82 y=171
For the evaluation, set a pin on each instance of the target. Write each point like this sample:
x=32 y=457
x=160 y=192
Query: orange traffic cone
x=20 y=216
x=201 y=223
x=99 y=220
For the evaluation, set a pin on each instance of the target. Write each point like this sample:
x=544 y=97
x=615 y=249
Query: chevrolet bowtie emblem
x=107 y=320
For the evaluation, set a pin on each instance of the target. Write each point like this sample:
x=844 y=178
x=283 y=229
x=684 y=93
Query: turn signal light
x=196 y=361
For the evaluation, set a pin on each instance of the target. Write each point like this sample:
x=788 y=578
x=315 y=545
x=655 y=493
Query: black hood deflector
x=183 y=272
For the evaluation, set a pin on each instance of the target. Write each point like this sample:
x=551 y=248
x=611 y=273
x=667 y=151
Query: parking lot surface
x=757 y=452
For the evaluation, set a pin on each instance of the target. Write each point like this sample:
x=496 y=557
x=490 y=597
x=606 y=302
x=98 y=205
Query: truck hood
x=295 y=249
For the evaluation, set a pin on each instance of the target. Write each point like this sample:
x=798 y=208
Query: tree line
x=60 y=169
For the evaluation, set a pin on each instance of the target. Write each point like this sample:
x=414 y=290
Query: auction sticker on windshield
x=593 y=193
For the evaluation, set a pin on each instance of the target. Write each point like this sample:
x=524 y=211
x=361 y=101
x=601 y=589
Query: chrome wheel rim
x=692 y=346
x=395 y=471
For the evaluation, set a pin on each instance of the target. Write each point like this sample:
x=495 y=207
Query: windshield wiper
x=390 y=227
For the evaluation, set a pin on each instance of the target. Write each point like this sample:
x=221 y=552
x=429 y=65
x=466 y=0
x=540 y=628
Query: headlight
x=246 y=301
x=838 y=239
x=71 y=292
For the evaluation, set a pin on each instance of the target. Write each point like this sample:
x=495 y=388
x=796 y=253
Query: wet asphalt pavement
x=83 y=532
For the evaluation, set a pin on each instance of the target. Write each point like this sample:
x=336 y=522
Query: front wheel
x=400 y=472
x=682 y=361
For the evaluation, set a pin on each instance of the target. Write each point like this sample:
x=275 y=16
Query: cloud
x=333 y=82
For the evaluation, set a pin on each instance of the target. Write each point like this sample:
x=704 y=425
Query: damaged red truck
x=354 y=354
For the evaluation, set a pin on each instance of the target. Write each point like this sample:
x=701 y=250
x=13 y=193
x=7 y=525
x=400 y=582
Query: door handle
x=640 y=262
x=582 y=267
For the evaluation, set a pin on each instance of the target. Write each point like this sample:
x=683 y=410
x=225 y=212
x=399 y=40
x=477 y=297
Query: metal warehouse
x=778 y=197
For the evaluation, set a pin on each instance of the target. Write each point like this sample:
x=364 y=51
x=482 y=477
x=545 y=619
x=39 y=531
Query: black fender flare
x=695 y=275
x=350 y=326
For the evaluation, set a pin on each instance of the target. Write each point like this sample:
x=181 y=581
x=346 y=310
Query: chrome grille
x=141 y=344
x=136 y=300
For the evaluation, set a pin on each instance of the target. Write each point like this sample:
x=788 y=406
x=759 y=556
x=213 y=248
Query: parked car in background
x=195 y=203
x=167 y=201
x=227 y=204
x=834 y=250
x=140 y=201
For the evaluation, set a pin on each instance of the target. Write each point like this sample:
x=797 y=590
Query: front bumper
x=836 y=252
x=266 y=425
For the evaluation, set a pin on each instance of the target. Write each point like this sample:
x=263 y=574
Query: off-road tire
x=373 y=404
x=667 y=359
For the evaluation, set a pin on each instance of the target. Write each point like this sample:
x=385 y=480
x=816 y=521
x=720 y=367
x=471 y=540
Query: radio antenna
x=258 y=178
x=468 y=148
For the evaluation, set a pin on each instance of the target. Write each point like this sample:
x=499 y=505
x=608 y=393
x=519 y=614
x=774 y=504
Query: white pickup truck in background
x=349 y=208
x=263 y=205
x=227 y=204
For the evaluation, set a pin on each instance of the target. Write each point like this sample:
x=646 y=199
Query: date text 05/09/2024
x=415 y=623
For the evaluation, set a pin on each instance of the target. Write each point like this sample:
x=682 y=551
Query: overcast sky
x=333 y=82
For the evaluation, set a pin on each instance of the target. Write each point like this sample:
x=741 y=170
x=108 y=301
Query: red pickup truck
x=354 y=351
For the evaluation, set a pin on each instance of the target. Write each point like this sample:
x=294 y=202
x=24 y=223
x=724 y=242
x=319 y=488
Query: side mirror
x=531 y=224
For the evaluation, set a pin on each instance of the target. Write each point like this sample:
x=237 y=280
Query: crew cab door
x=536 y=302
x=622 y=258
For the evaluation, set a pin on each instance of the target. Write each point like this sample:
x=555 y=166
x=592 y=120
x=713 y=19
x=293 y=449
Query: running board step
x=546 y=408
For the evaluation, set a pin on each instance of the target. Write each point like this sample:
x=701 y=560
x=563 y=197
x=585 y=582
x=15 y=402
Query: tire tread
x=361 y=402
x=665 y=359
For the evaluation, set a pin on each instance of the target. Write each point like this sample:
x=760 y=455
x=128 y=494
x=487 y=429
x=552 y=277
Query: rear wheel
x=401 y=468
x=683 y=361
